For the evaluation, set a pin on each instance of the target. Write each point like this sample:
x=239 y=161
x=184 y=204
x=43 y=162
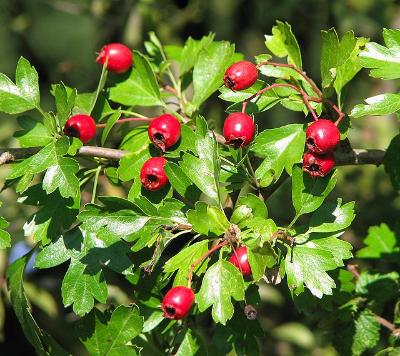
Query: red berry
x=240 y=261
x=81 y=126
x=119 y=57
x=240 y=75
x=152 y=174
x=322 y=136
x=318 y=165
x=177 y=302
x=238 y=129
x=164 y=131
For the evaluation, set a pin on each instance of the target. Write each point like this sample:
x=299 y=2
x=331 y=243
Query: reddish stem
x=129 y=119
x=303 y=74
x=276 y=85
x=199 y=260
x=332 y=104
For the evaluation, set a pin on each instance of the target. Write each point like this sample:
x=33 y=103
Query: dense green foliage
x=148 y=241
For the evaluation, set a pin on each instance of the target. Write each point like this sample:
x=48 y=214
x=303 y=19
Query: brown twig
x=388 y=325
x=353 y=157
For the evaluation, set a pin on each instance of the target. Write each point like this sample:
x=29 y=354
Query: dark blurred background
x=61 y=39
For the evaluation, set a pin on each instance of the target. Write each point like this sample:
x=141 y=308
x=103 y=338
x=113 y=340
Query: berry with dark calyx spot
x=238 y=129
x=164 y=131
x=119 y=57
x=318 y=165
x=177 y=302
x=322 y=136
x=239 y=259
x=240 y=75
x=81 y=126
x=152 y=174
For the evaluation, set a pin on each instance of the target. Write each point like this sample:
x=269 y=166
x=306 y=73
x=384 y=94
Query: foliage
x=217 y=200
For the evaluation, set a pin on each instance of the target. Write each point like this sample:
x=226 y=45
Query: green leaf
x=339 y=249
x=61 y=250
x=111 y=334
x=40 y=161
x=83 y=105
x=379 y=105
x=332 y=216
x=65 y=102
x=248 y=207
x=5 y=238
x=189 y=346
x=379 y=242
x=22 y=96
x=33 y=133
x=62 y=175
x=392 y=162
x=109 y=224
x=384 y=62
x=55 y=213
x=378 y=287
x=282 y=148
x=109 y=125
x=208 y=220
x=39 y=339
x=309 y=193
x=185 y=143
x=262 y=231
x=307 y=265
x=84 y=280
x=203 y=170
x=61 y=171
x=339 y=62
x=140 y=88
x=191 y=50
x=260 y=258
x=282 y=43
x=183 y=260
x=180 y=182
x=209 y=70
x=136 y=141
x=366 y=334
x=221 y=282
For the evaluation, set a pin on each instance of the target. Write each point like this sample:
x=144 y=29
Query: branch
x=360 y=157
x=353 y=157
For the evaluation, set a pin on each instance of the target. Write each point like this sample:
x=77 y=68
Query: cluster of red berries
x=322 y=136
x=118 y=59
x=178 y=301
x=164 y=131
x=239 y=127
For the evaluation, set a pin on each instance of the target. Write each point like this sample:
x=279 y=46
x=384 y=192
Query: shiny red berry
x=318 y=165
x=240 y=261
x=119 y=57
x=81 y=126
x=238 y=129
x=322 y=136
x=152 y=174
x=164 y=131
x=177 y=302
x=240 y=75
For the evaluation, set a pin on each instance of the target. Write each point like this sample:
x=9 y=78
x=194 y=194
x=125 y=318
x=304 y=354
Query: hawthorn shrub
x=203 y=196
